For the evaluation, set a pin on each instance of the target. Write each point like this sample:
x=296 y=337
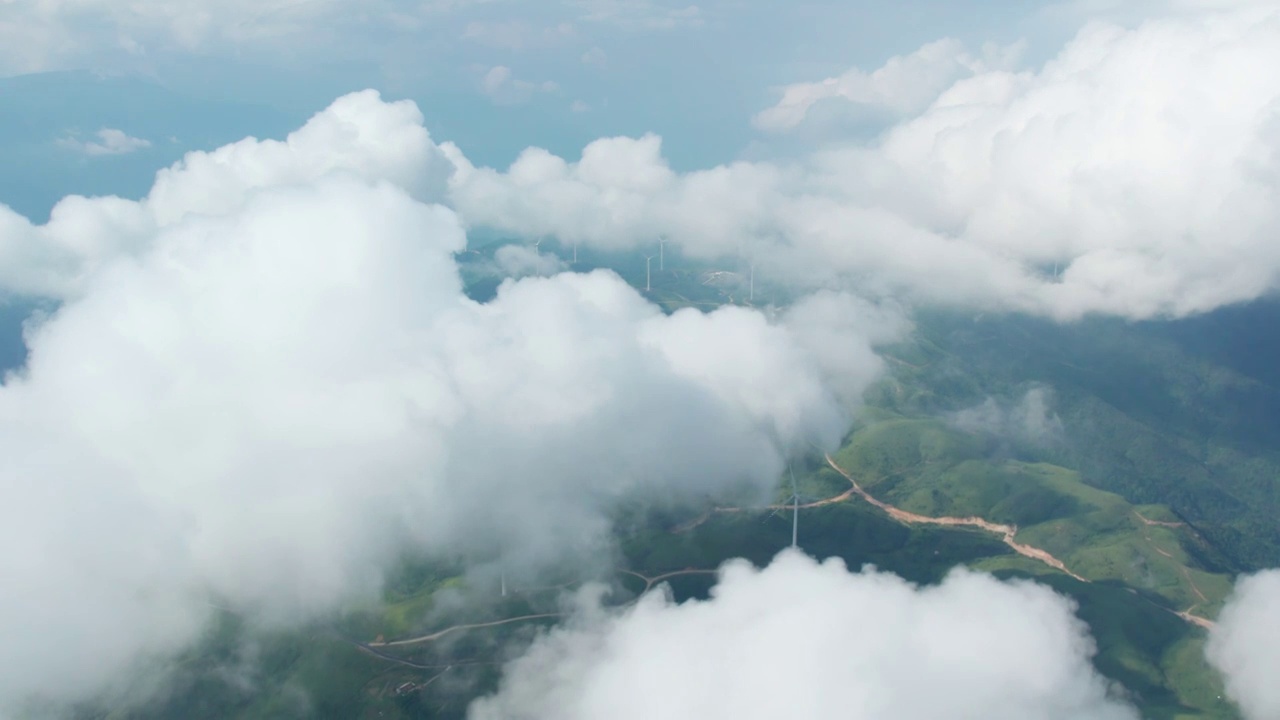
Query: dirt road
x=1006 y=533
x=456 y=628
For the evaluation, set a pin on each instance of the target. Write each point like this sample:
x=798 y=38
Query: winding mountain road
x=457 y=628
x=1007 y=534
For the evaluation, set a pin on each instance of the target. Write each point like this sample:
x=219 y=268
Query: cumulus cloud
x=1133 y=173
x=904 y=85
x=518 y=261
x=110 y=141
x=1245 y=645
x=263 y=382
x=806 y=640
x=504 y=88
x=840 y=331
x=621 y=193
x=359 y=135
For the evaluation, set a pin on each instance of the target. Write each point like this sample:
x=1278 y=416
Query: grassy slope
x=1151 y=419
x=923 y=466
x=1151 y=428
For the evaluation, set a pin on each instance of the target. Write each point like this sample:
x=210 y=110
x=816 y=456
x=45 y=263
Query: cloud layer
x=110 y=141
x=264 y=382
x=806 y=640
x=904 y=86
x=1133 y=174
x=1245 y=645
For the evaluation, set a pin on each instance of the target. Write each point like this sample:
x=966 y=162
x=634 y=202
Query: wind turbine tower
x=662 y=244
x=647 y=263
x=795 y=509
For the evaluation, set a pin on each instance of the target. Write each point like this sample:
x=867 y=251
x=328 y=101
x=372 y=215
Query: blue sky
x=1060 y=143
x=567 y=72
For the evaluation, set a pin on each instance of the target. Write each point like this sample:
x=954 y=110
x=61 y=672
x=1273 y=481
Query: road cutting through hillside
x=456 y=628
x=1006 y=533
x=803 y=506
x=1186 y=574
x=1158 y=523
x=1205 y=623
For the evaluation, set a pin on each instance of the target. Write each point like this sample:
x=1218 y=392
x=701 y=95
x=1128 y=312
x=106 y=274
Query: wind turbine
x=647 y=262
x=795 y=509
x=794 y=501
x=662 y=244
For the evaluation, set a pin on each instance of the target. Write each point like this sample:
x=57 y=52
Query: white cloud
x=1245 y=645
x=905 y=85
x=1030 y=419
x=358 y=135
x=520 y=261
x=504 y=88
x=579 y=106
x=110 y=141
x=1142 y=163
x=839 y=331
x=621 y=193
x=264 y=382
x=809 y=641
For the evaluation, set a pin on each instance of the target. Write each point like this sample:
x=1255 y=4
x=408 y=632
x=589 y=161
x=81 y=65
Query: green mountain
x=1130 y=466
